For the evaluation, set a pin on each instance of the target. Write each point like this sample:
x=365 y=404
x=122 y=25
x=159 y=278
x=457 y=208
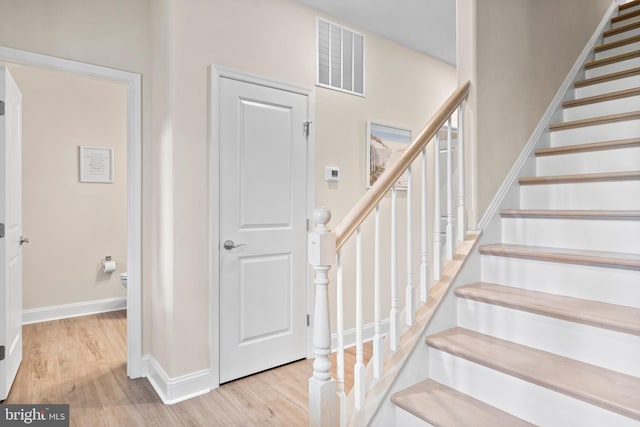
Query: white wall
x=72 y=226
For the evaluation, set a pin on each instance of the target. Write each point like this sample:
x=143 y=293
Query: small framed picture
x=96 y=164
x=385 y=145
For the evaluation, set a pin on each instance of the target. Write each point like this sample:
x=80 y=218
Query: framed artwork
x=385 y=145
x=96 y=164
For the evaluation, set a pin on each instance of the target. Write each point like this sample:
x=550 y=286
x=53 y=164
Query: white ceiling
x=428 y=26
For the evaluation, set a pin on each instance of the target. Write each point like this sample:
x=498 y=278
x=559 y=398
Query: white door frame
x=215 y=74
x=134 y=182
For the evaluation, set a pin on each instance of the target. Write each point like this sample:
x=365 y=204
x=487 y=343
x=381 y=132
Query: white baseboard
x=350 y=334
x=55 y=312
x=178 y=389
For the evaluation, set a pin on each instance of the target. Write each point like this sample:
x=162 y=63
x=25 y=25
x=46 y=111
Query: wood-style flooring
x=82 y=361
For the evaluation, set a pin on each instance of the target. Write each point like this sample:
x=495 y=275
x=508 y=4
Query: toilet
x=123 y=279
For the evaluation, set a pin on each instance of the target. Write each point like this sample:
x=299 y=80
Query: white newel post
x=322 y=388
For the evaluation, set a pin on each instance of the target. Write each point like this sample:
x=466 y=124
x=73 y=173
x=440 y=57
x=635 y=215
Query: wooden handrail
x=371 y=198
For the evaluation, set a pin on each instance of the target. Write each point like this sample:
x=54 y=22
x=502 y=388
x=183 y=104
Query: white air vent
x=340 y=58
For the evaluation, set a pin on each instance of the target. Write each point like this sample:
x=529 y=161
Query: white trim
x=177 y=389
x=368 y=331
x=543 y=124
x=215 y=73
x=55 y=312
x=134 y=182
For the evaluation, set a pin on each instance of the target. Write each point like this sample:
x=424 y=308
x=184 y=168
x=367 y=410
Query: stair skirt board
x=590 y=234
x=597 y=161
x=525 y=400
x=617 y=351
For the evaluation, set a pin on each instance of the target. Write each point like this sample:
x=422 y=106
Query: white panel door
x=10 y=230
x=263 y=199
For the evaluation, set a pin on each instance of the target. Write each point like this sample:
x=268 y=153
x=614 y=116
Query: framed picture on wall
x=96 y=164
x=385 y=145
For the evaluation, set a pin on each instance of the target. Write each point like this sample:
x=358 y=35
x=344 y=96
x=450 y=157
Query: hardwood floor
x=82 y=362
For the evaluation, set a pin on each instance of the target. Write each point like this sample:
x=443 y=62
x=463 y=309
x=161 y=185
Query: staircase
x=551 y=334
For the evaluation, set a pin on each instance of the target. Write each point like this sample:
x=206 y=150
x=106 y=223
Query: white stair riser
x=597 y=346
x=597 y=161
x=599 y=109
x=608 y=87
x=406 y=419
x=612 y=68
x=617 y=50
x=517 y=396
x=624 y=22
x=596 y=133
x=588 y=234
x=610 y=285
x=622 y=36
x=631 y=9
x=606 y=195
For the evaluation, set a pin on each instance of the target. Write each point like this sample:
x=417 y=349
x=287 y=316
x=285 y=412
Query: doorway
x=132 y=83
x=261 y=188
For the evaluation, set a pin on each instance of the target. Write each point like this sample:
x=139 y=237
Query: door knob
x=228 y=245
x=23 y=240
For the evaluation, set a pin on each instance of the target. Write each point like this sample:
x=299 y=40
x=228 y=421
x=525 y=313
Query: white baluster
x=342 y=397
x=437 y=237
x=322 y=388
x=424 y=256
x=377 y=315
x=462 y=223
x=359 y=368
x=393 y=315
x=409 y=303
x=449 y=229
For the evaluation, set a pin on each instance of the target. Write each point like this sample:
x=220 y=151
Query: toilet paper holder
x=108 y=265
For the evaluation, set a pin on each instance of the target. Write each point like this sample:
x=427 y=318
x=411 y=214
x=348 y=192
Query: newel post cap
x=322 y=242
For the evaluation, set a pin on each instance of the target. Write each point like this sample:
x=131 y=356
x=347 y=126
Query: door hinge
x=1 y=229
x=1 y=108
x=305 y=128
x=1 y=352
x=308 y=320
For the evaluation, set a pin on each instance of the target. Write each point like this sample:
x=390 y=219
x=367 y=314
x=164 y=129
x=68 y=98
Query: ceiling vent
x=340 y=58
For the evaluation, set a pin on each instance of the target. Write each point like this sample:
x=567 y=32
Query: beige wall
x=171 y=43
x=524 y=50
x=72 y=226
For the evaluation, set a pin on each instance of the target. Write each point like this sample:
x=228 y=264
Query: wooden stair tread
x=619 y=43
x=621 y=29
x=583 y=177
x=563 y=255
x=570 y=214
x=602 y=387
x=612 y=118
x=595 y=313
x=601 y=98
x=625 y=16
x=629 y=5
x=595 y=146
x=612 y=59
x=440 y=405
x=607 y=77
